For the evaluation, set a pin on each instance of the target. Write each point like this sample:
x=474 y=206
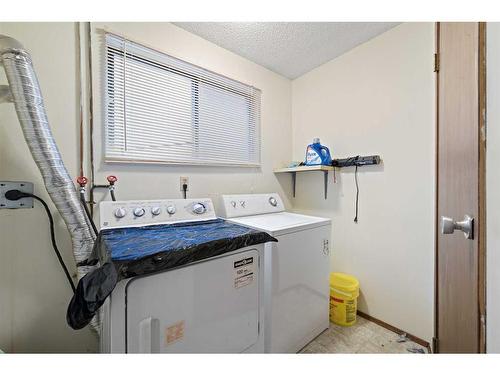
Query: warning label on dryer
x=243 y=272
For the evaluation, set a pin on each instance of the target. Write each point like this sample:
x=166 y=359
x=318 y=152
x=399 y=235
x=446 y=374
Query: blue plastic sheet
x=140 y=242
x=127 y=252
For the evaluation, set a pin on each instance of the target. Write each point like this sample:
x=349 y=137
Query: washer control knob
x=171 y=210
x=120 y=212
x=242 y=204
x=273 y=201
x=155 y=210
x=233 y=203
x=199 y=208
x=139 y=211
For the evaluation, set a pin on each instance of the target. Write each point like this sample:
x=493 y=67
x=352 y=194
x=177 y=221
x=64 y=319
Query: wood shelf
x=322 y=168
x=304 y=169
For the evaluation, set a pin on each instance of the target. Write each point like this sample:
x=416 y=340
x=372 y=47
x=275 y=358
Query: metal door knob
x=448 y=226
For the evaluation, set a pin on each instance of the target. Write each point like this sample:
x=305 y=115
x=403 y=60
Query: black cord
x=87 y=212
x=15 y=195
x=357 y=193
x=111 y=191
x=53 y=239
x=184 y=190
x=98 y=187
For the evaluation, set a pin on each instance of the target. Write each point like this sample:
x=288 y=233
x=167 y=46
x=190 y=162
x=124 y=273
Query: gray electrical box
x=26 y=187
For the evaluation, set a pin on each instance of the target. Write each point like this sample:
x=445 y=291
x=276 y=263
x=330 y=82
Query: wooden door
x=460 y=187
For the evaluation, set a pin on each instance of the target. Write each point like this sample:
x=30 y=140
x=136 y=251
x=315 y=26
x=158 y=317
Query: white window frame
x=196 y=74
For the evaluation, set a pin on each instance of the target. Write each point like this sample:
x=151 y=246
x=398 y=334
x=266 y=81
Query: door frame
x=480 y=222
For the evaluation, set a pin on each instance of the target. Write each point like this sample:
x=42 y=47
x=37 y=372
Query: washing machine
x=206 y=296
x=296 y=268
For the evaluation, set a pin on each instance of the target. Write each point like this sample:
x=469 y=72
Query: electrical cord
x=15 y=195
x=184 y=190
x=357 y=193
x=356 y=161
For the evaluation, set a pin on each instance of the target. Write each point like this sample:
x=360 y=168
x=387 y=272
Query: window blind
x=160 y=109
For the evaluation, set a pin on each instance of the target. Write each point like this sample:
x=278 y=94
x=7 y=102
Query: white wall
x=492 y=189
x=377 y=99
x=33 y=291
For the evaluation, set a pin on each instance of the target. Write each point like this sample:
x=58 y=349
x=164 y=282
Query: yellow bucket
x=344 y=292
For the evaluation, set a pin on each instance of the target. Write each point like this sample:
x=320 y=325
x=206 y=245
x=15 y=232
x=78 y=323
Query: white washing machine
x=212 y=305
x=296 y=269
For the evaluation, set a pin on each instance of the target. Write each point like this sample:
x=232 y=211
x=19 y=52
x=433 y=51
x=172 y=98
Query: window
x=165 y=110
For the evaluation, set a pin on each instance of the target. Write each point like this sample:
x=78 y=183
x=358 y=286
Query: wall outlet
x=26 y=187
x=184 y=180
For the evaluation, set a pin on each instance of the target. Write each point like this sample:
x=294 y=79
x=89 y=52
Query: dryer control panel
x=138 y=213
x=251 y=204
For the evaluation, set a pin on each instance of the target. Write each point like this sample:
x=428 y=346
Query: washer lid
x=281 y=222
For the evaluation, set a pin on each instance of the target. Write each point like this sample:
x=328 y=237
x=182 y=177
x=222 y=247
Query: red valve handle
x=82 y=181
x=112 y=179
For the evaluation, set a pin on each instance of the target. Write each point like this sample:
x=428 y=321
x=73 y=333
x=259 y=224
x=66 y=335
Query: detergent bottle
x=317 y=154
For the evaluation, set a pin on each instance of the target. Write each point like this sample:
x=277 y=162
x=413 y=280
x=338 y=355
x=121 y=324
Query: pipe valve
x=111 y=179
x=82 y=181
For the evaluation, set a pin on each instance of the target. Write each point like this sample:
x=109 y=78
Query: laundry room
x=248 y=187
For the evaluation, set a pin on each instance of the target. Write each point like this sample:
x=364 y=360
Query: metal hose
x=27 y=98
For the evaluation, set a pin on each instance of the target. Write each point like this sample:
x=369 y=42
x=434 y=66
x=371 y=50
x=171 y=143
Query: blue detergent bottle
x=317 y=154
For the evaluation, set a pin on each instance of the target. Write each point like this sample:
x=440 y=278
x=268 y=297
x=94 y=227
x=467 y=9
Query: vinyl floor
x=363 y=337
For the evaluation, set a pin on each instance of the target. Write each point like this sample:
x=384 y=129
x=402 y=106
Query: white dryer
x=210 y=305
x=296 y=269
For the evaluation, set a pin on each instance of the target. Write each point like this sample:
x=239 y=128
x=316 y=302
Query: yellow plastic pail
x=344 y=292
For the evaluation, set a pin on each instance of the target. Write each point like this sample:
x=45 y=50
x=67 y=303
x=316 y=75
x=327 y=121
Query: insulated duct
x=27 y=98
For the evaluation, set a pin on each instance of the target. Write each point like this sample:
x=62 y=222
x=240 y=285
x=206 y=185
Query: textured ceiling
x=288 y=48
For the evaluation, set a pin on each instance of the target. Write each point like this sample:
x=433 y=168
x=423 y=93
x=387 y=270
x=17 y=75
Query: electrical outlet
x=184 y=180
x=26 y=187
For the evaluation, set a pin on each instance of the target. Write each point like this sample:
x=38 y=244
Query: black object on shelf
x=358 y=161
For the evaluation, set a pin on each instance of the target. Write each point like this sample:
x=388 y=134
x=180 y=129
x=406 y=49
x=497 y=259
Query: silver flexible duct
x=27 y=98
